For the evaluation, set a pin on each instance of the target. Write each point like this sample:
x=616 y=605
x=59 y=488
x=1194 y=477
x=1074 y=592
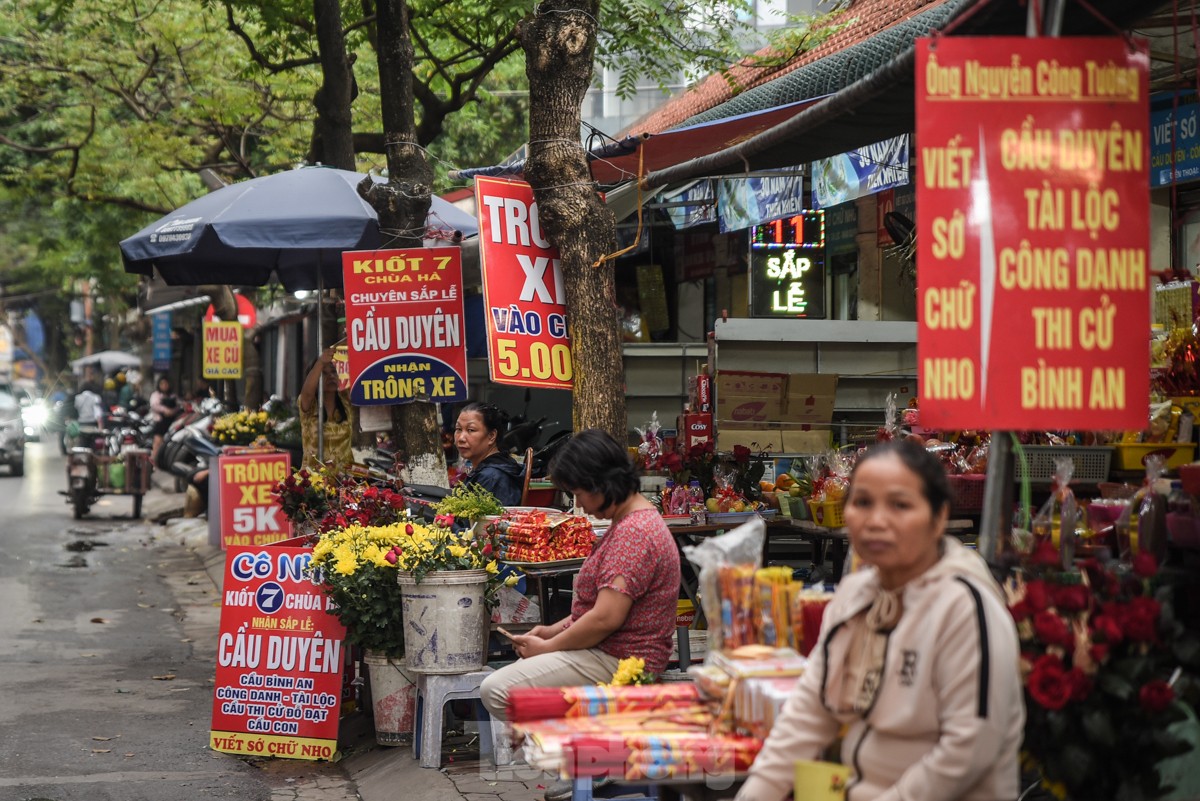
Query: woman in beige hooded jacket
x=918 y=656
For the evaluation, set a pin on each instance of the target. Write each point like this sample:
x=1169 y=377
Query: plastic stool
x=433 y=691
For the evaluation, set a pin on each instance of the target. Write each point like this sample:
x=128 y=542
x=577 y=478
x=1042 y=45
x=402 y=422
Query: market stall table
x=546 y=576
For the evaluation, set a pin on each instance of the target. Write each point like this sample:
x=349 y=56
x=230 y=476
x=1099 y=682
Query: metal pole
x=320 y=351
x=996 y=517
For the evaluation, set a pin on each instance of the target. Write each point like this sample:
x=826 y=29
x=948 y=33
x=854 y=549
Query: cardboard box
x=693 y=429
x=809 y=398
x=804 y=442
x=751 y=397
x=758 y=440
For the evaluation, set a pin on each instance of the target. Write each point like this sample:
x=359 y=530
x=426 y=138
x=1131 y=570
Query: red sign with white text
x=404 y=326
x=279 y=658
x=249 y=515
x=523 y=293
x=1033 y=239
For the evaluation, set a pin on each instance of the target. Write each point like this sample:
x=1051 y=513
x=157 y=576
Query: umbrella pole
x=320 y=352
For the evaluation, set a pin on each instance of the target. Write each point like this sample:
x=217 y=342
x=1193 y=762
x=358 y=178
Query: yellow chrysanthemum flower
x=492 y=567
x=457 y=551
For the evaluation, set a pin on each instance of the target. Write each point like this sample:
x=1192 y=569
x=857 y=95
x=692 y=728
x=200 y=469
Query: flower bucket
x=393 y=700
x=445 y=621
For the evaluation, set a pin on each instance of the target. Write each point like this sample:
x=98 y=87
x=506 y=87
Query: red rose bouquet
x=1107 y=670
x=322 y=500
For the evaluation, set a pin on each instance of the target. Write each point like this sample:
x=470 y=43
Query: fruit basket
x=827 y=513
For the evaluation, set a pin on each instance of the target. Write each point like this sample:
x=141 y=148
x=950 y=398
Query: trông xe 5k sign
x=1033 y=239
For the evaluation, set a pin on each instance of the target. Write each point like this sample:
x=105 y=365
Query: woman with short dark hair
x=626 y=591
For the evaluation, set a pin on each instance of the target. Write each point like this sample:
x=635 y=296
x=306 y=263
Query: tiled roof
x=865 y=17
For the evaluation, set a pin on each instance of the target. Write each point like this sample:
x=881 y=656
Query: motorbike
x=421 y=498
x=103 y=465
x=177 y=450
x=194 y=454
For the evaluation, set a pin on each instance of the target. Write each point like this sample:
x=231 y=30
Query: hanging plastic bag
x=1142 y=527
x=1056 y=520
x=650 y=447
x=734 y=554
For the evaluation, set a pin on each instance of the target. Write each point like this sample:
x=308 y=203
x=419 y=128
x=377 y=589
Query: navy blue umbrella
x=292 y=226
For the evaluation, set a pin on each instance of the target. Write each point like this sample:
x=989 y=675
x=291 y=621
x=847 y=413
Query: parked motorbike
x=194 y=454
x=192 y=422
x=102 y=465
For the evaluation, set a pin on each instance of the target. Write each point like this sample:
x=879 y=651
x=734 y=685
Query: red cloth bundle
x=539 y=703
x=670 y=754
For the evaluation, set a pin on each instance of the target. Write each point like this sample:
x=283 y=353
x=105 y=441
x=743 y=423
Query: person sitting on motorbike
x=476 y=435
x=164 y=407
x=89 y=407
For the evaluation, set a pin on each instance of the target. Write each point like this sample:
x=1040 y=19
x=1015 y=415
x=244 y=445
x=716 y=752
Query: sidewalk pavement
x=378 y=773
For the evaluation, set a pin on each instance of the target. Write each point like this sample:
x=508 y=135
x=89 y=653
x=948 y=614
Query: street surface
x=107 y=649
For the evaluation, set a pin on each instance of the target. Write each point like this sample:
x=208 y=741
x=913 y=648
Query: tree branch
x=257 y=56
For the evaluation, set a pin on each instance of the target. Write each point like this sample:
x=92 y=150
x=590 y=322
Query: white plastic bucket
x=393 y=700
x=445 y=621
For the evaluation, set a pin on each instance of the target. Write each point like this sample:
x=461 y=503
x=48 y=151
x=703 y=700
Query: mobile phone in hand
x=506 y=633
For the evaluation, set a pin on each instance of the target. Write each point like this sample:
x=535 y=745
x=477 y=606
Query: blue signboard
x=693 y=205
x=861 y=172
x=160 y=329
x=1177 y=128
x=743 y=202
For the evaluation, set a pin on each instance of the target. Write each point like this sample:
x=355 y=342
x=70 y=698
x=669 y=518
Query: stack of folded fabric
x=539 y=703
x=640 y=732
x=539 y=536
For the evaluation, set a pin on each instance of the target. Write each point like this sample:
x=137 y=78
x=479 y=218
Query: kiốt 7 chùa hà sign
x=404 y=326
x=1033 y=238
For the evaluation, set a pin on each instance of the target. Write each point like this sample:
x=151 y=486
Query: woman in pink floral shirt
x=625 y=594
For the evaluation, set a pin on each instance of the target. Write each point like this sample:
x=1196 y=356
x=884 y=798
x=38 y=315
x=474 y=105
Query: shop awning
x=881 y=104
x=618 y=162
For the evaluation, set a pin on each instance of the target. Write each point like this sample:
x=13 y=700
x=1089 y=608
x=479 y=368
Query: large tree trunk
x=559 y=42
x=402 y=204
x=333 y=139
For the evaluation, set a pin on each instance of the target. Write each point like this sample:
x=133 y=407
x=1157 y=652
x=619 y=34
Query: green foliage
x=470 y=502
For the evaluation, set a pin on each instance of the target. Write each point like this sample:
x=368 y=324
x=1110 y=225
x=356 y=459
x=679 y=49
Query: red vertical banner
x=404 y=326
x=1033 y=238
x=279 y=658
x=523 y=292
x=249 y=515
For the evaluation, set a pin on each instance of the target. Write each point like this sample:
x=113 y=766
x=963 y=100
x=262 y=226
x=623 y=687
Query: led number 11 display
x=787 y=267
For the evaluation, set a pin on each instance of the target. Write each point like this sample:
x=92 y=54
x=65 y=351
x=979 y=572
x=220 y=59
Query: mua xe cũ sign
x=404 y=326
x=523 y=293
x=278 y=685
x=1033 y=238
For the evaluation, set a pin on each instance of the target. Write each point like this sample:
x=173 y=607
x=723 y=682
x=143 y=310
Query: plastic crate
x=1092 y=462
x=1132 y=455
x=827 y=513
x=133 y=475
x=967 y=493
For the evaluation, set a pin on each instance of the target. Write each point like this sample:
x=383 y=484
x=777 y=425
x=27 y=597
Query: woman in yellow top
x=322 y=378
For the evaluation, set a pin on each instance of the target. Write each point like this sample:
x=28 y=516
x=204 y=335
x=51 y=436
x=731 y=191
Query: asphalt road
x=107 y=635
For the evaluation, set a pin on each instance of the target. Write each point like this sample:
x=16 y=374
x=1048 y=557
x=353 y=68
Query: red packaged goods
x=694 y=429
x=539 y=703
x=700 y=395
x=539 y=536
